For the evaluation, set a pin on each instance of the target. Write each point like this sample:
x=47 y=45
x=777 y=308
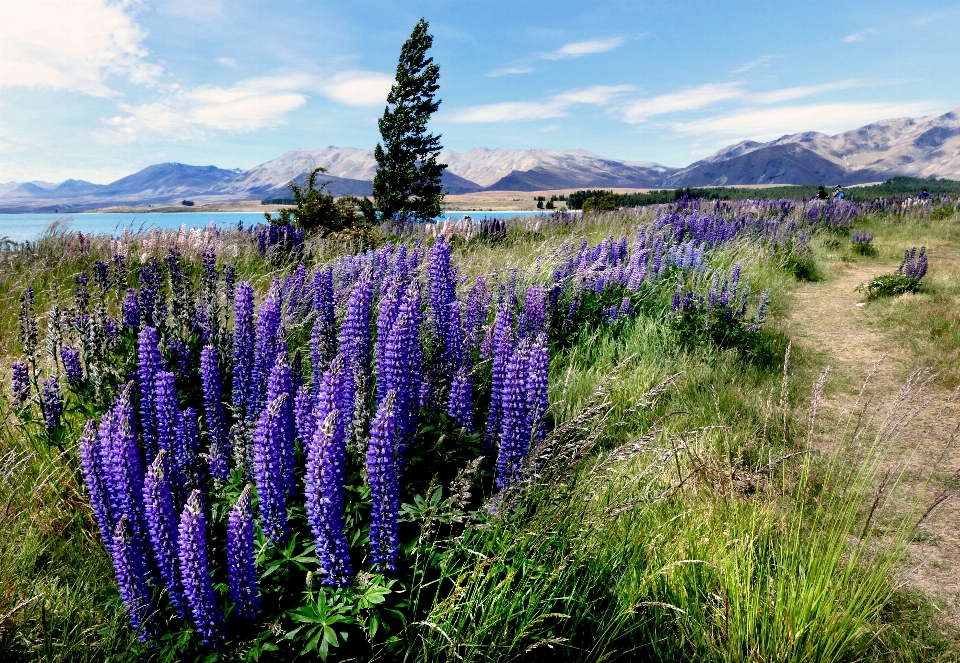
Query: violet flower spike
x=242 y=559
x=381 y=465
x=195 y=569
x=161 y=520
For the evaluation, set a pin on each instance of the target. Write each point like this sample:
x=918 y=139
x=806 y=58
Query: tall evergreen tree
x=408 y=175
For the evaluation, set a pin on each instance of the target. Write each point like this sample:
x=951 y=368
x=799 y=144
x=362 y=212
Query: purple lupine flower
x=399 y=367
x=445 y=317
x=325 y=477
x=763 y=307
x=91 y=466
x=475 y=315
x=151 y=304
x=128 y=564
x=51 y=401
x=514 y=426
x=536 y=308
x=213 y=408
x=243 y=338
x=20 y=383
x=303 y=413
x=460 y=405
x=131 y=310
x=121 y=462
x=354 y=342
x=280 y=383
x=242 y=559
x=538 y=372
x=269 y=342
x=166 y=419
x=195 y=569
x=149 y=365
x=27 y=320
x=181 y=357
x=381 y=466
x=268 y=473
x=188 y=445
x=323 y=345
x=502 y=344
x=161 y=520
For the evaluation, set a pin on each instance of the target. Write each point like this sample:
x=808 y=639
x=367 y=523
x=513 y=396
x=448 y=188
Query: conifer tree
x=408 y=175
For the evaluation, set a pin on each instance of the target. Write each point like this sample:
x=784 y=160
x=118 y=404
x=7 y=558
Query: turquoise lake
x=21 y=227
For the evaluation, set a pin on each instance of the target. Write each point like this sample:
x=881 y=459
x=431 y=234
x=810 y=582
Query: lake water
x=20 y=227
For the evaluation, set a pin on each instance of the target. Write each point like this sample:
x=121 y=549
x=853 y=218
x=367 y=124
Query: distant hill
x=924 y=147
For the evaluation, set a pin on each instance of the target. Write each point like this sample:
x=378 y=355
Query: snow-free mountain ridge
x=923 y=147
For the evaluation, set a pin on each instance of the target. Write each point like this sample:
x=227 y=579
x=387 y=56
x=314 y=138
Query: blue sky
x=97 y=89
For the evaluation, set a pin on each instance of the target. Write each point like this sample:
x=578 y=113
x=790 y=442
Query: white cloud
x=227 y=62
x=248 y=105
x=74 y=45
x=358 y=88
x=830 y=118
x=791 y=93
x=762 y=61
x=858 y=36
x=543 y=109
x=581 y=48
x=251 y=104
x=510 y=70
x=693 y=98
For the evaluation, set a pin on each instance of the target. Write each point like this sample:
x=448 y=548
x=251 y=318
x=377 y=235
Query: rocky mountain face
x=923 y=147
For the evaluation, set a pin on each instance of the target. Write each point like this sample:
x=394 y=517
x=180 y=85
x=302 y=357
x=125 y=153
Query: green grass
x=680 y=531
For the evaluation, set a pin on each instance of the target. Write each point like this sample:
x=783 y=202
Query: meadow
x=596 y=438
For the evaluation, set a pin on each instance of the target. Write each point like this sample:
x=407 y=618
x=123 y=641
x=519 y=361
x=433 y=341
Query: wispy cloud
x=858 y=36
x=74 y=46
x=799 y=92
x=580 y=48
x=762 y=61
x=227 y=62
x=506 y=71
x=247 y=105
x=693 y=98
x=769 y=123
x=542 y=109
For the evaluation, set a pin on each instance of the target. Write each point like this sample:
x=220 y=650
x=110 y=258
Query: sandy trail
x=825 y=319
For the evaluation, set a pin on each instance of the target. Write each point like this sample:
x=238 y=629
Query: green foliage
x=889 y=285
x=318 y=211
x=408 y=179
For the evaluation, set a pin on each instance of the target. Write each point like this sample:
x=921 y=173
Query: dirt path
x=826 y=319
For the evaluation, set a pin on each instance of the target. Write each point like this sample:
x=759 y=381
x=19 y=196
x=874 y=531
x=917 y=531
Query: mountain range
x=924 y=147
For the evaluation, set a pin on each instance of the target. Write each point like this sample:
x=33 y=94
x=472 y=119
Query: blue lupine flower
x=280 y=383
x=52 y=402
x=213 y=408
x=243 y=341
x=131 y=310
x=20 y=383
x=384 y=487
x=195 y=569
x=460 y=405
x=242 y=559
x=325 y=477
x=149 y=365
x=354 y=342
x=269 y=343
x=161 y=520
x=323 y=341
x=131 y=575
x=268 y=472
x=71 y=364
x=515 y=420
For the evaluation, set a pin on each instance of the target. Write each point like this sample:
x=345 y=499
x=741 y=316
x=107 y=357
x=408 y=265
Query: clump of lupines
x=914 y=264
x=862 y=237
x=397 y=307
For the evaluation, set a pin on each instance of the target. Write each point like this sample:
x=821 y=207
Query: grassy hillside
x=697 y=489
